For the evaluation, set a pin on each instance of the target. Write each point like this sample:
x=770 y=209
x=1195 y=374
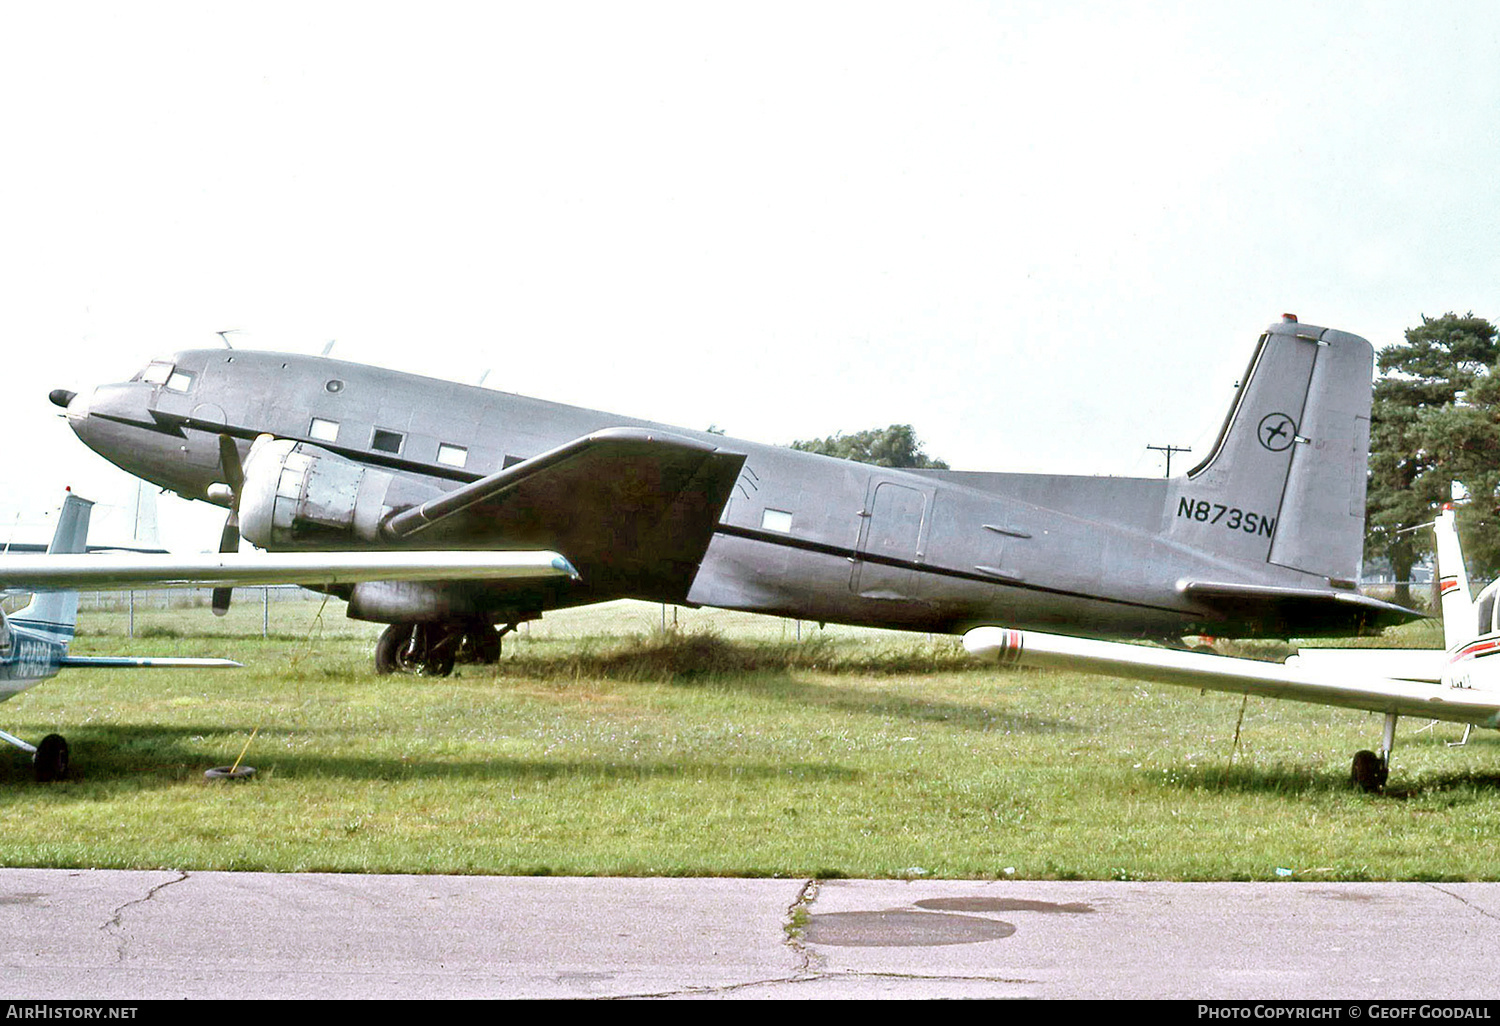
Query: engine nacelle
x=298 y=496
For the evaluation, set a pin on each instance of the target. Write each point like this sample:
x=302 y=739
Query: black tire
x=434 y=650
x=479 y=644
x=51 y=759
x=1369 y=771
x=230 y=773
x=390 y=649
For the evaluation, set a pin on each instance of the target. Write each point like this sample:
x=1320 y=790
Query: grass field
x=603 y=745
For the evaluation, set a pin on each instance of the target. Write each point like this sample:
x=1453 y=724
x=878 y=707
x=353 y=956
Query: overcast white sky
x=1045 y=234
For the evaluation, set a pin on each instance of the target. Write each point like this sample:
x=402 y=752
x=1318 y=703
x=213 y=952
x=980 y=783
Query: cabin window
x=452 y=455
x=776 y=520
x=6 y=642
x=386 y=441
x=1486 y=611
x=323 y=430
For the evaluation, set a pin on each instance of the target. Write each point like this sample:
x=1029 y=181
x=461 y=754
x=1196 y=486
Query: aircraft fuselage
x=800 y=535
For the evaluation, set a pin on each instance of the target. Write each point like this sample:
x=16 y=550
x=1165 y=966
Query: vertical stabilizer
x=1453 y=582
x=56 y=612
x=1285 y=483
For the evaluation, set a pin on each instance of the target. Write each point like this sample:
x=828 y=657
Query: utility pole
x=1169 y=450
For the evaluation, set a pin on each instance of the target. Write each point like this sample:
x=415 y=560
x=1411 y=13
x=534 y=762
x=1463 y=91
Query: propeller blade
x=229 y=462
x=229 y=539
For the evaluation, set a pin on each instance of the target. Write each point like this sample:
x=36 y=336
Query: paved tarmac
x=100 y=935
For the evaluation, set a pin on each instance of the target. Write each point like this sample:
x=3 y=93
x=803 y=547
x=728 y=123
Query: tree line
x=1435 y=436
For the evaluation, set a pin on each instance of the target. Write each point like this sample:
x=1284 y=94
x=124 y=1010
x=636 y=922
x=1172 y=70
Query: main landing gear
x=49 y=760
x=1371 y=770
x=432 y=649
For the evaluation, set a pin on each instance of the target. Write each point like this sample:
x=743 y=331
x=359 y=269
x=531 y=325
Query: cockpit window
x=1486 y=611
x=156 y=373
x=7 y=640
x=160 y=372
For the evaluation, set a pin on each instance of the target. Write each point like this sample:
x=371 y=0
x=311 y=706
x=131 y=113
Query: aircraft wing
x=118 y=571
x=1243 y=676
x=625 y=504
x=1424 y=664
x=73 y=662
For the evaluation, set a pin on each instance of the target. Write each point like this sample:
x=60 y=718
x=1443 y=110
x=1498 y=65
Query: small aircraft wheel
x=51 y=758
x=1369 y=771
x=230 y=773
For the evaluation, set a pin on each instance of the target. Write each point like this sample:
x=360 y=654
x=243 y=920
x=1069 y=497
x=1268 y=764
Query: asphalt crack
x=116 y=920
x=797 y=916
x=1465 y=902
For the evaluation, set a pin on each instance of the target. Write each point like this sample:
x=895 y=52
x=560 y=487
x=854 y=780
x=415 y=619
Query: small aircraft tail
x=1453 y=582
x=1285 y=482
x=55 y=613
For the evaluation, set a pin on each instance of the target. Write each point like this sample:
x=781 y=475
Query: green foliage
x=1433 y=422
x=895 y=446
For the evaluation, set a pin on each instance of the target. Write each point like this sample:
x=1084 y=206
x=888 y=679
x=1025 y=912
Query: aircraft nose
x=61 y=397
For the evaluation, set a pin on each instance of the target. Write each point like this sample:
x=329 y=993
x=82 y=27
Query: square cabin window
x=386 y=441
x=776 y=520
x=323 y=430
x=180 y=381
x=452 y=455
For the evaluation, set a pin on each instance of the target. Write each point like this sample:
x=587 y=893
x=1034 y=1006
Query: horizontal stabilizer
x=118 y=571
x=1297 y=612
x=1241 y=676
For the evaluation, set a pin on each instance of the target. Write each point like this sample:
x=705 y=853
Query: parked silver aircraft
x=1263 y=537
x=1461 y=684
x=34 y=640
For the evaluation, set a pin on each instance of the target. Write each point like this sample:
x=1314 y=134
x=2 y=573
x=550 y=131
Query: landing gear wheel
x=479 y=643
x=1370 y=771
x=51 y=759
x=424 y=650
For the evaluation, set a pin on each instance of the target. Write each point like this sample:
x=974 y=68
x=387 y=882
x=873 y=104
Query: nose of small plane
x=61 y=397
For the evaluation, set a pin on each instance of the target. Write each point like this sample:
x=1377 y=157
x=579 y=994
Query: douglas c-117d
x=1264 y=537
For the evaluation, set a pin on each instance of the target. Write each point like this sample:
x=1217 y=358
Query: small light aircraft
x=34 y=640
x=1460 y=685
x=1264 y=537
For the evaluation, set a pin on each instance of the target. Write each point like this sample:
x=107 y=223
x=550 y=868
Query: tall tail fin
x=1285 y=482
x=56 y=612
x=1453 y=582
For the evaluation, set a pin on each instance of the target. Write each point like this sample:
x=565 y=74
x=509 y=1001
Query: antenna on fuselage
x=480 y=382
x=329 y=347
x=224 y=336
